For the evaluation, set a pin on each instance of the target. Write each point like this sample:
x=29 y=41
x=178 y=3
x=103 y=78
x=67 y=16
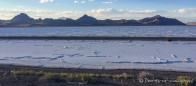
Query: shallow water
x=147 y=31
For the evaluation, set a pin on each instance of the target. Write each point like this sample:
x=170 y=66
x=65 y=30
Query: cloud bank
x=43 y=1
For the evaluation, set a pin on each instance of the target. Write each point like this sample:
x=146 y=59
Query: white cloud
x=82 y=1
x=105 y=11
x=109 y=2
x=121 y=11
x=10 y=13
x=79 y=2
x=76 y=2
x=181 y=11
x=98 y=13
x=43 y=1
x=91 y=0
x=111 y=13
x=187 y=10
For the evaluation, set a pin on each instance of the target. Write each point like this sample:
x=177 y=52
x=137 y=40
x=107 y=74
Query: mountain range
x=191 y=23
x=62 y=18
x=24 y=20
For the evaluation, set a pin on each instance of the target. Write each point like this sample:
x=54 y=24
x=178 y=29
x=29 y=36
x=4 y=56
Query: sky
x=183 y=10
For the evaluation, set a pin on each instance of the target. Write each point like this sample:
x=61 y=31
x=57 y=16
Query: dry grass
x=122 y=76
x=23 y=72
x=184 y=80
x=51 y=76
x=145 y=74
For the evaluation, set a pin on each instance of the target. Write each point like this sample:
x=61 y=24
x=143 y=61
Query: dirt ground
x=99 y=77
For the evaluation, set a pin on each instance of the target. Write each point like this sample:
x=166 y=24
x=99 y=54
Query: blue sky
x=184 y=10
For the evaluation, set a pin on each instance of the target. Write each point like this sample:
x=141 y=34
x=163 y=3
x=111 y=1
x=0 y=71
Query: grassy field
x=37 y=76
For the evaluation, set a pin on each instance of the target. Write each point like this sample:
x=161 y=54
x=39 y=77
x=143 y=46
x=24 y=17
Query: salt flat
x=91 y=54
x=101 y=54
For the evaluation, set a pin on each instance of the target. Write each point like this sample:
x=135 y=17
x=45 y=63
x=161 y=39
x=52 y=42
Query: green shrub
x=106 y=75
x=75 y=77
x=116 y=76
x=81 y=78
x=63 y=74
x=122 y=76
x=40 y=73
x=91 y=75
x=23 y=72
x=51 y=76
x=31 y=72
x=88 y=79
x=184 y=80
x=5 y=73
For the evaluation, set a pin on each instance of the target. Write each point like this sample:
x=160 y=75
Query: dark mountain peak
x=40 y=19
x=158 y=16
x=85 y=15
x=23 y=14
x=87 y=19
x=159 y=20
x=22 y=18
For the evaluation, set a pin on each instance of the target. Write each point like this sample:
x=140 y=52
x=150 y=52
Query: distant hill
x=191 y=23
x=22 y=19
x=86 y=20
x=159 y=20
x=1 y=21
x=57 y=22
x=61 y=18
